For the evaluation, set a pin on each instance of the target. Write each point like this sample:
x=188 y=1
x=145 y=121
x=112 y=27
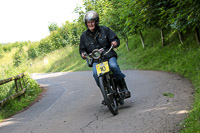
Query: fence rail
x=18 y=91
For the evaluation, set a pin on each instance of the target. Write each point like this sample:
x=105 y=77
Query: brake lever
x=101 y=50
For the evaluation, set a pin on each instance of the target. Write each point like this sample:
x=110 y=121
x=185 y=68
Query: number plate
x=102 y=68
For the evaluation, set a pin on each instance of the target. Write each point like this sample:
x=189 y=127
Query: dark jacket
x=102 y=38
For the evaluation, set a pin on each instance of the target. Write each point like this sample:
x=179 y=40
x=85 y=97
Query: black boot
x=124 y=88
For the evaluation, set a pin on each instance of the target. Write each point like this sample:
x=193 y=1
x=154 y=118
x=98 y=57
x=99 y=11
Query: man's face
x=91 y=25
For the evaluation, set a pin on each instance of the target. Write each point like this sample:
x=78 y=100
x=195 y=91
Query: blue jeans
x=113 y=66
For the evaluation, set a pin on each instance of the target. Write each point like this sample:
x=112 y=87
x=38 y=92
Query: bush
x=1 y=51
x=7 y=48
x=19 y=57
x=33 y=52
x=45 y=46
x=18 y=104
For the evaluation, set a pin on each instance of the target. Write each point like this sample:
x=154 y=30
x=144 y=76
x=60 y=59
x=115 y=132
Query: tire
x=109 y=99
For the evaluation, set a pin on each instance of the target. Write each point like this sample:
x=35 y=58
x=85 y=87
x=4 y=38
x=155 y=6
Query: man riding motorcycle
x=96 y=37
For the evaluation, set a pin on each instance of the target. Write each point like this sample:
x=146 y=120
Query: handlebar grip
x=89 y=62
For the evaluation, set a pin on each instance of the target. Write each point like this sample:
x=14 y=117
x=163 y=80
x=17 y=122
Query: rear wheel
x=108 y=95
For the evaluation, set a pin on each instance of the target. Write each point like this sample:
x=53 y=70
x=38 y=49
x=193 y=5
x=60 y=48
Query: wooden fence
x=18 y=92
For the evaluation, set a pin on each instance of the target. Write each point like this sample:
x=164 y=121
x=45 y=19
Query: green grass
x=168 y=95
x=20 y=103
x=7 y=70
x=66 y=59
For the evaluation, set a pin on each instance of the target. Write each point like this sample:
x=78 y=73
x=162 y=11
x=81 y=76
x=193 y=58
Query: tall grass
x=8 y=70
x=65 y=59
x=18 y=104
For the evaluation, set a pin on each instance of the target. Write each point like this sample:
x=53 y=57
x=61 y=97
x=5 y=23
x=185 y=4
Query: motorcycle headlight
x=96 y=54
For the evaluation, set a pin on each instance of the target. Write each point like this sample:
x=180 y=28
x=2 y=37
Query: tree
x=154 y=13
x=20 y=56
x=185 y=15
x=53 y=27
x=129 y=17
x=116 y=22
x=33 y=52
x=70 y=33
x=128 y=20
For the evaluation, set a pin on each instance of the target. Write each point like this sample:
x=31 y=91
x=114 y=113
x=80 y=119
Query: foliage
x=128 y=17
x=53 y=27
x=68 y=34
x=185 y=14
x=56 y=41
x=19 y=57
x=80 y=23
x=73 y=34
x=1 y=51
x=19 y=104
x=33 y=52
x=9 y=46
x=45 y=45
x=9 y=70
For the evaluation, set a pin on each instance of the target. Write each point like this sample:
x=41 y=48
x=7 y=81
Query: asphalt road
x=72 y=104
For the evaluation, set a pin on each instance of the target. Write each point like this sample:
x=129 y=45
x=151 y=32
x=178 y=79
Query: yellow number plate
x=102 y=68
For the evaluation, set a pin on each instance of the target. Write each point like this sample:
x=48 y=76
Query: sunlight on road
x=8 y=122
x=180 y=112
x=37 y=76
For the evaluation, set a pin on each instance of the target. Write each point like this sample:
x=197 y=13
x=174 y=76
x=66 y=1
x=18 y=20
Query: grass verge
x=22 y=102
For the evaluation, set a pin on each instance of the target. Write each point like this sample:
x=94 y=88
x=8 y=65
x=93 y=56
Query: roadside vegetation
x=155 y=35
x=11 y=56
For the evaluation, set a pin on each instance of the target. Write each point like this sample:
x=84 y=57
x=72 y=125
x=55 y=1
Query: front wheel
x=108 y=95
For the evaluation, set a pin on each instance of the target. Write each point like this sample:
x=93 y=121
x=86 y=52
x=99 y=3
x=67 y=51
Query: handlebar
x=109 y=50
x=90 y=60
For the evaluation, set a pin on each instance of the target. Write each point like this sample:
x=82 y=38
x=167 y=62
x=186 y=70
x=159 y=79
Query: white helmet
x=91 y=15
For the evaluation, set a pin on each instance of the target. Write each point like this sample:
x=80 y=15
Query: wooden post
x=18 y=92
x=23 y=81
x=16 y=84
x=11 y=78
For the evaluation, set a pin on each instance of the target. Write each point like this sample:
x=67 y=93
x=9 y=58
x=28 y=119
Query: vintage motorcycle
x=112 y=92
